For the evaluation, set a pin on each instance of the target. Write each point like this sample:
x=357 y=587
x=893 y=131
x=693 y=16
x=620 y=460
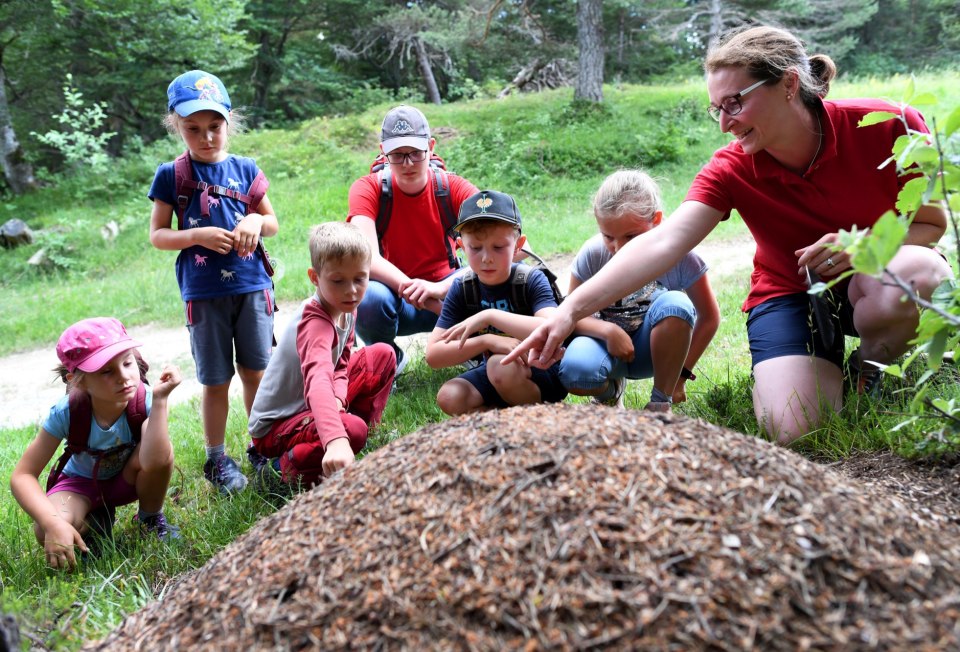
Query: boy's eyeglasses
x=732 y=105
x=398 y=158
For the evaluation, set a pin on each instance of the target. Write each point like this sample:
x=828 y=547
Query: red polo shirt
x=786 y=211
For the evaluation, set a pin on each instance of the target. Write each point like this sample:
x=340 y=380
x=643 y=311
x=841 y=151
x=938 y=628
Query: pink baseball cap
x=92 y=343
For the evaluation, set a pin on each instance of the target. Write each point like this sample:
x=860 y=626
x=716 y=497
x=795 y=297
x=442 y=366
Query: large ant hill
x=568 y=527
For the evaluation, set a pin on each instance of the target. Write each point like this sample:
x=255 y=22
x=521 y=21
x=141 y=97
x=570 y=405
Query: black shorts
x=787 y=326
x=548 y=380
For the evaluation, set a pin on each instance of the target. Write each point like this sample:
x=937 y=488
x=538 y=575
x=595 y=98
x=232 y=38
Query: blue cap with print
x=198 y=91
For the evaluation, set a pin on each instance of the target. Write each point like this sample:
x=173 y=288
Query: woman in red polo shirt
x=798 y=171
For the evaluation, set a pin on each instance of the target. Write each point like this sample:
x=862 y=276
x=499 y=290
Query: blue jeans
x=382 y=315
x=586 y=364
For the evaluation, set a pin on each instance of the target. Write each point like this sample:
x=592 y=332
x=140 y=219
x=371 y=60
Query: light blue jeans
x=382 y=315
x=586 y=364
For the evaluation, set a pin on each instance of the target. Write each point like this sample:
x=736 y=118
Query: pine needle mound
x=570 y=527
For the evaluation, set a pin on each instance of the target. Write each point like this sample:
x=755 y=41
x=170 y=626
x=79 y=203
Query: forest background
x=286 y=62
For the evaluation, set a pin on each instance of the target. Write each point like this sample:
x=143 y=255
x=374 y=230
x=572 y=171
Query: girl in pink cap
x=123 y=453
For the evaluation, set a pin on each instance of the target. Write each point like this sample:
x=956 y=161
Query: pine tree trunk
x=716 y=20
x=433 y=92
x=16 y=170
x=590 y=38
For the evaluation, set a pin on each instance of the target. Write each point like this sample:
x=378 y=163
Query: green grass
x=530 y=146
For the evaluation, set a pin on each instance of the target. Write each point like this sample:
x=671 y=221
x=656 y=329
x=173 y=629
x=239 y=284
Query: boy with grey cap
x=413 y=261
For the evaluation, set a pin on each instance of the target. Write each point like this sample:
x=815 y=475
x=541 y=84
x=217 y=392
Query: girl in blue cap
x=222 y=269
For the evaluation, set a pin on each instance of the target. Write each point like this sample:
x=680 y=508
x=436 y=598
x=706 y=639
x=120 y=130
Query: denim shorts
x=784 y=326
x=112 y=492
x=587 y=364
x=548 y=380
x=216 y=326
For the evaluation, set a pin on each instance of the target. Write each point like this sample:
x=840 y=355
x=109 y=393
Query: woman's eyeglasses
x=732 y=105
x=398 y=158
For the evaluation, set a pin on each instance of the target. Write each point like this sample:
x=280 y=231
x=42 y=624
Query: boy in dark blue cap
x=483 y=316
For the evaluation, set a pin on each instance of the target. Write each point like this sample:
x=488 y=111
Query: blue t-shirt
x=455 y=309
x=201 y=272
x=57 y=424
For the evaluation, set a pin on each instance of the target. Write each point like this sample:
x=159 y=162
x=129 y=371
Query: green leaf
x=900 y=145
x=909 y=90
x=925 y=154
x=880 y=246
x=924 y=99
x=911 y=195
x=952 y=122
x=876 y=117
x=938 y=344
x=893 y=370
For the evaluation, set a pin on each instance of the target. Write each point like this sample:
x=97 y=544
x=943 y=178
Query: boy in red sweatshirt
x=317 y=397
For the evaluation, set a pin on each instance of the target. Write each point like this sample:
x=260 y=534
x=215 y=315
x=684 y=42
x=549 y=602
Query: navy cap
x=198 y=91
x=489 y=205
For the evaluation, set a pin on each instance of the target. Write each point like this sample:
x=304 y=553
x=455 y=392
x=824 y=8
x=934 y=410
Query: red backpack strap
x=78 y=432
x=183 y=178
x=137 y=412
x=255 y=195
x=256 y=192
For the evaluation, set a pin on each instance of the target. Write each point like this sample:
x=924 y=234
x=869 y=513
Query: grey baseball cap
x=404 y=126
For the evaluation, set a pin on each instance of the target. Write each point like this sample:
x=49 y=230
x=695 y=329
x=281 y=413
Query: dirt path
x=28 y=386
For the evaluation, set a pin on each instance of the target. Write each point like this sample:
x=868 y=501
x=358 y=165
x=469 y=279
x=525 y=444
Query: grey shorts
x=217 y=326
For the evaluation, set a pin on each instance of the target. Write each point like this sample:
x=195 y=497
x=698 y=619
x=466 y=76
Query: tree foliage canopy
x=301 y=58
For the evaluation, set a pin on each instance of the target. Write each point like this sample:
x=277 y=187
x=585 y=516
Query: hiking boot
x=257 y=461
x=616 y=400
x=862 y=377
x=224 y=474
x=158 y=526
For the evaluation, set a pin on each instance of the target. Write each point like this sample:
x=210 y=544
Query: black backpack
x=441 y=191
x=518 y=285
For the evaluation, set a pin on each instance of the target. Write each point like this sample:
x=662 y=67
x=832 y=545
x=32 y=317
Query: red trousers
x=295 y=440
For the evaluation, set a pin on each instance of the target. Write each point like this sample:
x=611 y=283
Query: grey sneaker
x=225 y=475
x=158 y=527
x=665 y=407
x=619 y=387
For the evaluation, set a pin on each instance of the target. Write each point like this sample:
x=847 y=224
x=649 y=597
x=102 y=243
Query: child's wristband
x=686 y=374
